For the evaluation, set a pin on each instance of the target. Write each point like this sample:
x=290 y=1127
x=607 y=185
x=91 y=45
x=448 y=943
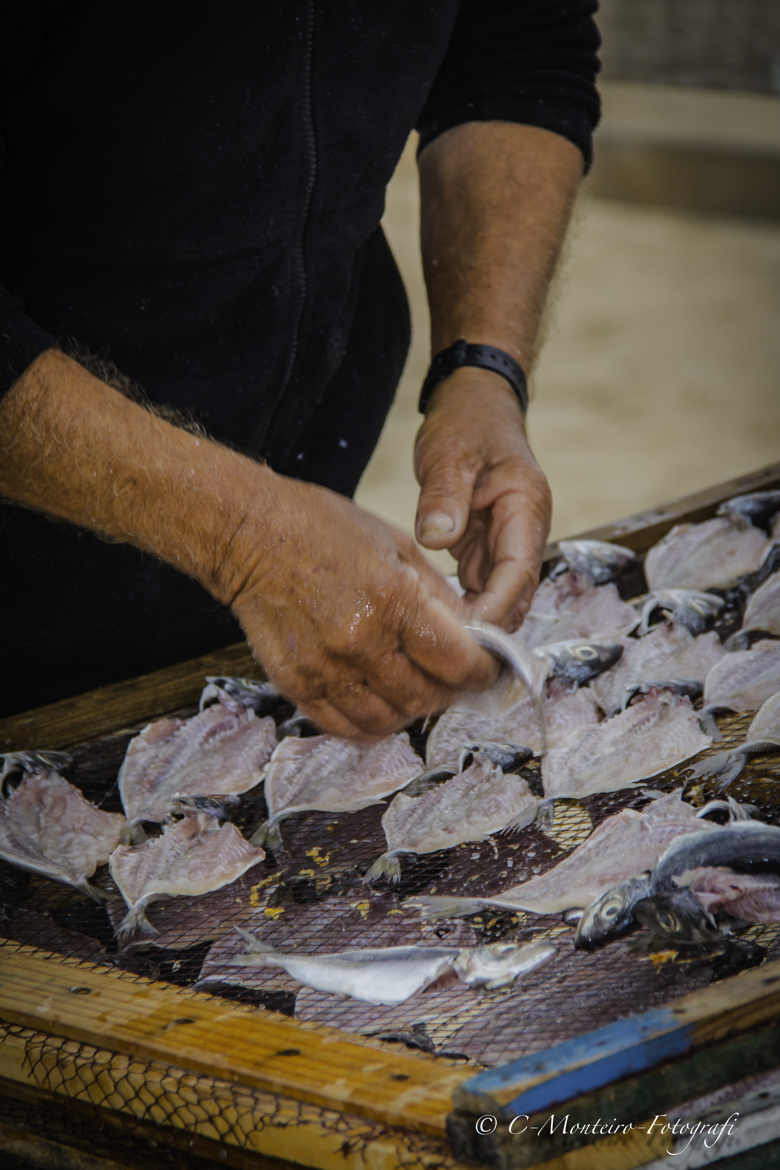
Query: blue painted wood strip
x=587 y=1062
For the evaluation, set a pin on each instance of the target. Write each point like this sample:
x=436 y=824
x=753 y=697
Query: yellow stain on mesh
x=362 y=908
x=314 y=854
x=571 y=824
x=273 y=911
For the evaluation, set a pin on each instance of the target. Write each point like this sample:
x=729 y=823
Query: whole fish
x=193 y=856
x=621 y=844
x=390 y=975
x=48 y=827
x=687 y=607
x=330 y=774
x=713 y=553
x=666 y=652
x=220 y=751
x=763 y=738
x=599 y=560
x=756 y=507
x=743 y=846
x=469 y=807
x=656 y=732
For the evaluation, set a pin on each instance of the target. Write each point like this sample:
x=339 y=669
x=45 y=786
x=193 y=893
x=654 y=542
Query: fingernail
x=436 y=524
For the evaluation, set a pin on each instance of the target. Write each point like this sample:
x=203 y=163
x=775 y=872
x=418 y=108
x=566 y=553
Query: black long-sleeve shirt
x=194 y=194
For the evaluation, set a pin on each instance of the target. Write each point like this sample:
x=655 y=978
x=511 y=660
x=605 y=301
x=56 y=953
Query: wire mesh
x=311 y=897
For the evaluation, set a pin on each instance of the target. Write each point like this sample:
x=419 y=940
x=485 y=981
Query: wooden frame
x=311 y=1095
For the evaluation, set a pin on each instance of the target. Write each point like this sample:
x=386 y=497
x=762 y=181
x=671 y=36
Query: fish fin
x=711 y=766
x=648 y=609
x=737 y=761
x=545 y=814
x=518 y=824
x=267 y=835
x=386 y=866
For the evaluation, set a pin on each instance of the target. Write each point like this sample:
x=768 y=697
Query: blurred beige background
x=659 y=370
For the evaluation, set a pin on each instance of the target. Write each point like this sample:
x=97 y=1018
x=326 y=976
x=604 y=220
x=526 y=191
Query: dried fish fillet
x=481 y=717
x=667 y=652
x=600 y=560
x=621 y=845
x=220 y=751
x=744 y=679
x=570 y=606
x=193 y=856
x=653 y=734
x=47 y=826
x=714 y=553
x=478 y=801
x=390 y=975
x=331 y=774
x=763 y=738
x=762 y=613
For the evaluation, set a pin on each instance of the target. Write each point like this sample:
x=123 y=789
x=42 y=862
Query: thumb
x=443 y=508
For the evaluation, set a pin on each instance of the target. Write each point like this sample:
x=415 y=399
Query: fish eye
x=612 y=908
x=586 y=653
x=668 y=921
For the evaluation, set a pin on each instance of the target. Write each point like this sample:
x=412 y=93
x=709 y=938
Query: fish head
x=677 y=916
x=600 y=560
x=577 y=661
x=612 y=913
x=755 y=508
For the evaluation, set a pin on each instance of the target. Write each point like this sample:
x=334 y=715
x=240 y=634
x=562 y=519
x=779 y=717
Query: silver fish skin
x=762 y=738
x=600 y=560
x=711 y=554
x=755 y=507
x=498 y=964
x=691 y=608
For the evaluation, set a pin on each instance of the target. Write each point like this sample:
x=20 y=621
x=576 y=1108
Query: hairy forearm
x=75 y=448
x=496 y=199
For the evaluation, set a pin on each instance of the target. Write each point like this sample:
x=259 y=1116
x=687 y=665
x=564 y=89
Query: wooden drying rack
x=164 y=1070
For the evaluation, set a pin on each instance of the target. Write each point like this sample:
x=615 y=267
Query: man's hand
x=346 y=615
x=482 y=494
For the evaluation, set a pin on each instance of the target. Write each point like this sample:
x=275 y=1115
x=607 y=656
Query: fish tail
x=268 y=836
x=716 y=765
x=545 y=814
x=135 y=922
x=386 y=866
x=735 y=761
x=708 y=724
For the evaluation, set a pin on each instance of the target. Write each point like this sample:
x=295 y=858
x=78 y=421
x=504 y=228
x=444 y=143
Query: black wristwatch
x=464 y=354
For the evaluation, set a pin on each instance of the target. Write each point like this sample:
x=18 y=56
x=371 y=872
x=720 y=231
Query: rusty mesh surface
x=311 y=897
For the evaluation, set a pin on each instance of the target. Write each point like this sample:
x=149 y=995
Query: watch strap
x=488 y=357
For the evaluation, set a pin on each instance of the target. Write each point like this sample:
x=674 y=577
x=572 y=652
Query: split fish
x=471 y=805
x=762 y=614
x=713 y=553
x=599 y=560
x=666 y=652
x=653 y=734
x=618 y=847
x=763 y=738
x=221 y=751
x=193 y=856
x=48 y=827
x=688 y=607
x=330 y=774
x=571 y=607
x=743 y=846
x=390 y=975
x=743 y=679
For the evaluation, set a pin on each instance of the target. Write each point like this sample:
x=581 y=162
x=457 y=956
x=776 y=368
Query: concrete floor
x=659 y=371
